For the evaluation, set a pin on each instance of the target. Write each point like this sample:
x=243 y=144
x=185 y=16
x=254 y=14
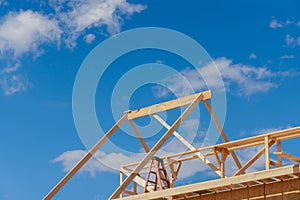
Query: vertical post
x=224 y=156
x=279 y=149
x=267 y=152
x=135 y=187
x=121 y=181
x=217 y=158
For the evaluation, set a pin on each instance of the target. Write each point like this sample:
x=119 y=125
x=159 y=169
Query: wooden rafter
x=89 y=154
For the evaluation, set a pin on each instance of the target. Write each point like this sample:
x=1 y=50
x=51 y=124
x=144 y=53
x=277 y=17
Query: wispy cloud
x=274 y=24
x=260 y=131
x=10 y=69
x=252 y=56
x=291 y=41
x=78 y=15
x=238 y=78
x=11 y=84
x=11 y=81
x=287 y=57
x=89 y=38
x=269 y=130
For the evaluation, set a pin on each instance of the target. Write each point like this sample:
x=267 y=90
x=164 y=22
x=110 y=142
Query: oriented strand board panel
x=282 y=190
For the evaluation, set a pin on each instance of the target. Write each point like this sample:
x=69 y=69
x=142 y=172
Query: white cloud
x=112 y=162
x=291 y=41
x=190 y=124
x=287 y=57
x=26 y=31
x=269 y=130
x=252 y=56
x=260 y=131
x=79 y=15
x=274 y=24
x=109 y=162
x=89 y=38
x=238 y=78
x=10 y=69
x=11 y=84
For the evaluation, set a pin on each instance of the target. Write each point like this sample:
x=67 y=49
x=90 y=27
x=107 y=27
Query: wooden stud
x=135 y=187
x=224 y=154
x=267 y=152
x=217 y=158
x=121 y=181
x=279 y=149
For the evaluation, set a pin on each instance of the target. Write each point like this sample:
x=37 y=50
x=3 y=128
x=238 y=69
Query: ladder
x=161 y=180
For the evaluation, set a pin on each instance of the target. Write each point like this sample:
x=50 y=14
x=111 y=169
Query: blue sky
x=254 y=44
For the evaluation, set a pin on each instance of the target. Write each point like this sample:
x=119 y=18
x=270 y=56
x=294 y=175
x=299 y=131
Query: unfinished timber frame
x=214 y=157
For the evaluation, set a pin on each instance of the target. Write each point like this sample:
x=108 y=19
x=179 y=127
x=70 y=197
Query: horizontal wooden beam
x=208 y=185
x=260 y=139
x=237 y=144
x=168 y=105
x=288 y=156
